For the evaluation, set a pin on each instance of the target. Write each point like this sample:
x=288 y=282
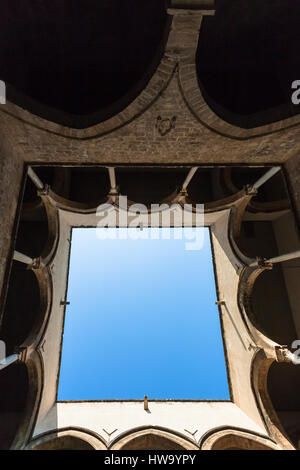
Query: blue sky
x=142 y=320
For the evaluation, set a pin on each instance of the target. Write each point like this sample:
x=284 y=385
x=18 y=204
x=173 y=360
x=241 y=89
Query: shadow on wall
x=283 y=387
x=48 y=66
x=22 y=307
x=13 y=398
x=245 y=72
x=64 y=443
x=151 y=442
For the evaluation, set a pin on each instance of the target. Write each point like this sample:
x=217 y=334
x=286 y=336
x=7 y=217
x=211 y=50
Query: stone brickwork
x=293 y=173
x=11 y=173
x=140 y=142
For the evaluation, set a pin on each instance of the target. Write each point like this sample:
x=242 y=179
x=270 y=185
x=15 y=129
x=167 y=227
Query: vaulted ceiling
x=81 y=56
x=80 y=62
x=248 y=57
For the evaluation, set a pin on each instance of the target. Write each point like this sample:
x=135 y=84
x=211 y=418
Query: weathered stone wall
x=292 y=167
x=140 y=141
x=11 y=174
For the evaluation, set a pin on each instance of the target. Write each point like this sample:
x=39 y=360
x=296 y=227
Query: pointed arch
x=152 y=438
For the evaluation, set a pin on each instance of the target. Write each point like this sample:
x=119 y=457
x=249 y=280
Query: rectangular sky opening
x=142 y=320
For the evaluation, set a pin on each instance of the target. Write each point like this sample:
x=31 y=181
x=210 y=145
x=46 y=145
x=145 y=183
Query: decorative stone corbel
x=36 y=264
x=45 y=192
x=250 y=190
x=283 y=354
x=261 y=263
x=22 y=354
x=19 y=356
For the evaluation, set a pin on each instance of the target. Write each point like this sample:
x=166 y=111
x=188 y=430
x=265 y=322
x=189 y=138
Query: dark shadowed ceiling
x=79 y=56
x=79 y=62
x=248 y=56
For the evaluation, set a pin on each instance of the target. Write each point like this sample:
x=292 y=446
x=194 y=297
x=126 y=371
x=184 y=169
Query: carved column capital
x=250 y=190
x=44 y=192
x=263 y=263
x=283 y=354
x=36 y=263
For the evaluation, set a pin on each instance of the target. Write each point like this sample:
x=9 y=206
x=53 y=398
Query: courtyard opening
x=142 y=319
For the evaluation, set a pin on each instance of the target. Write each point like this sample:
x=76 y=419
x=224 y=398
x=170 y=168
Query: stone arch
x=21 y=388
x=38 y=321
x=67 y=439
x=38 y=228
x=35 y=372
x=235 y=439
x=152 y=439
x=26 y=314
x=260 y=369
x=179 y=56
x=198 y=105
x=146 y=43
x=276 y=196
x=283 y=381
x=267 y=332
x=157 y=84
x=44 y=277
x=21 y=311
x=14 y=390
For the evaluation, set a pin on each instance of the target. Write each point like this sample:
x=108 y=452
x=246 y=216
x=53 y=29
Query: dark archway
x=13 y=398
x=271 y=307
x=150 y=185
x=64 y=443
x=283 y=388
x=245 y=72
x=22 y=307
x=80 y=63
x=151 y=442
